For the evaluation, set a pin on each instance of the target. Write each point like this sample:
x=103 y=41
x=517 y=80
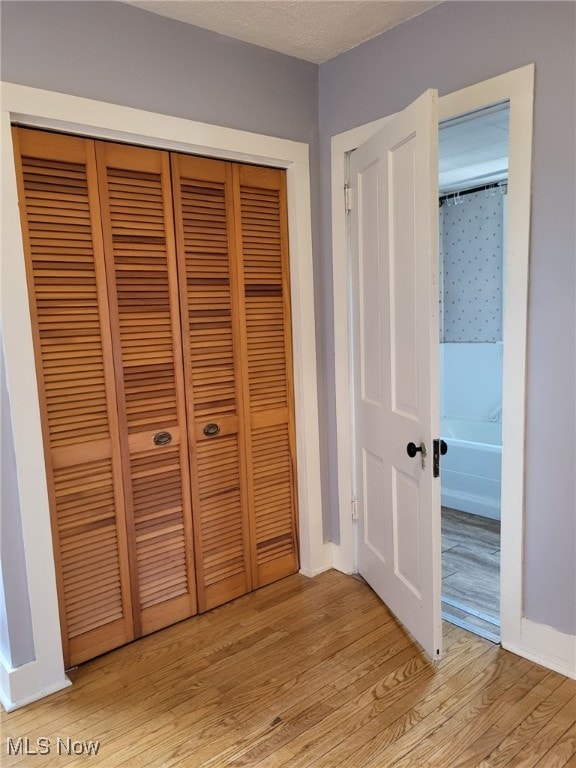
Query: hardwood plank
x=306 y=673
x=348 y=717
x=491 y=738
x=562 y=752
x=341 y=744
x=552 y=731
x=492 y=701
x=508 y=750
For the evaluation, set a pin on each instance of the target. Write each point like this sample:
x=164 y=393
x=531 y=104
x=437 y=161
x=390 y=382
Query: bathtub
x=472 y=468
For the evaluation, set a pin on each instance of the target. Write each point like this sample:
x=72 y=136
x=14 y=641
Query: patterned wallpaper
x=471 y=265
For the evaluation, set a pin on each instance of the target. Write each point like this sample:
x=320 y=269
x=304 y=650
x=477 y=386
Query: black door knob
x=412 y=449
x=443 y=447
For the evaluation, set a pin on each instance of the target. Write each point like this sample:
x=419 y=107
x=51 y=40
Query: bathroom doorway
x=473 y=175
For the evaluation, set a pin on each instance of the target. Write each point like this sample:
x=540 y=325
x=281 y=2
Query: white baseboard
x=546 y=646
x=20 y=685
x=316 y=572
x=323 y=561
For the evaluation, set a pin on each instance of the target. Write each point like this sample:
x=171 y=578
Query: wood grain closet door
x=210 y=320
x=61 y=225
x=143 y=288
x=262 y=246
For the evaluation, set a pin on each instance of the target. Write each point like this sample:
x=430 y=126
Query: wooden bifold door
x=159 y=296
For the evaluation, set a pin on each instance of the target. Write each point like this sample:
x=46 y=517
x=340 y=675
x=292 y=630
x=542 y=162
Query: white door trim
x=34 y=107
x=516 y=86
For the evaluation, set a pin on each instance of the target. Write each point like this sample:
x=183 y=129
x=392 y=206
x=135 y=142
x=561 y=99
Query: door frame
x=86 y=117
x=517 y=87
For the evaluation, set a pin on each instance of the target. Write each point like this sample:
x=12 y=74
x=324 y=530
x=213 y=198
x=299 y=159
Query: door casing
x=517 y=87
x=70 y=114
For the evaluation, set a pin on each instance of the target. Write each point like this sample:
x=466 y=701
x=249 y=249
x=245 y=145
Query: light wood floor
x=306 y=673
x=471 y=571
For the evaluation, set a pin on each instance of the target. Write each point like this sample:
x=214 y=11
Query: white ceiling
x=473 y=149
x=313 y=30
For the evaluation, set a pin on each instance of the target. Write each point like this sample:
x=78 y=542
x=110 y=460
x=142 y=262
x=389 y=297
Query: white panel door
x=394 y=246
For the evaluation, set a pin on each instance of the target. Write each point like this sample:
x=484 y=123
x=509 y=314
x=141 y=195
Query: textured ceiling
x=313 y=30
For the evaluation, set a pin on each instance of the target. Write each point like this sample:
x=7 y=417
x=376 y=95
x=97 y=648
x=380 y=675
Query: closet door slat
x=143 y=287
x=210 y=327
x=261 y=221
x=61 y=225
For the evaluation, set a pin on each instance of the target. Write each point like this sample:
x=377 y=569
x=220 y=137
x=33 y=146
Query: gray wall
x=16 y=638
x=449 y=47
x=116 y=53
x=123 y=55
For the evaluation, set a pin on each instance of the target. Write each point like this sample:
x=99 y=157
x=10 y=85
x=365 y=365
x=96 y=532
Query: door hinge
x=347 y=198
x=354 y=509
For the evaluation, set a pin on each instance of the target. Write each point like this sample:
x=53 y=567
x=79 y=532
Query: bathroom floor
x=471 y=572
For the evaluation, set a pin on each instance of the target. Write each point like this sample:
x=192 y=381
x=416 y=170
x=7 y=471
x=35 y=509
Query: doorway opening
x=516 y=87
x=473 y=176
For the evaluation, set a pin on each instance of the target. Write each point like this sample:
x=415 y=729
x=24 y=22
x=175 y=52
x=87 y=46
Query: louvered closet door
x=261 y=223
x=209 y=300
x=139 y=245
x=65 y=265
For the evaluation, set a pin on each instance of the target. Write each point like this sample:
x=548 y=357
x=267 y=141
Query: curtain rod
x=471 y=190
